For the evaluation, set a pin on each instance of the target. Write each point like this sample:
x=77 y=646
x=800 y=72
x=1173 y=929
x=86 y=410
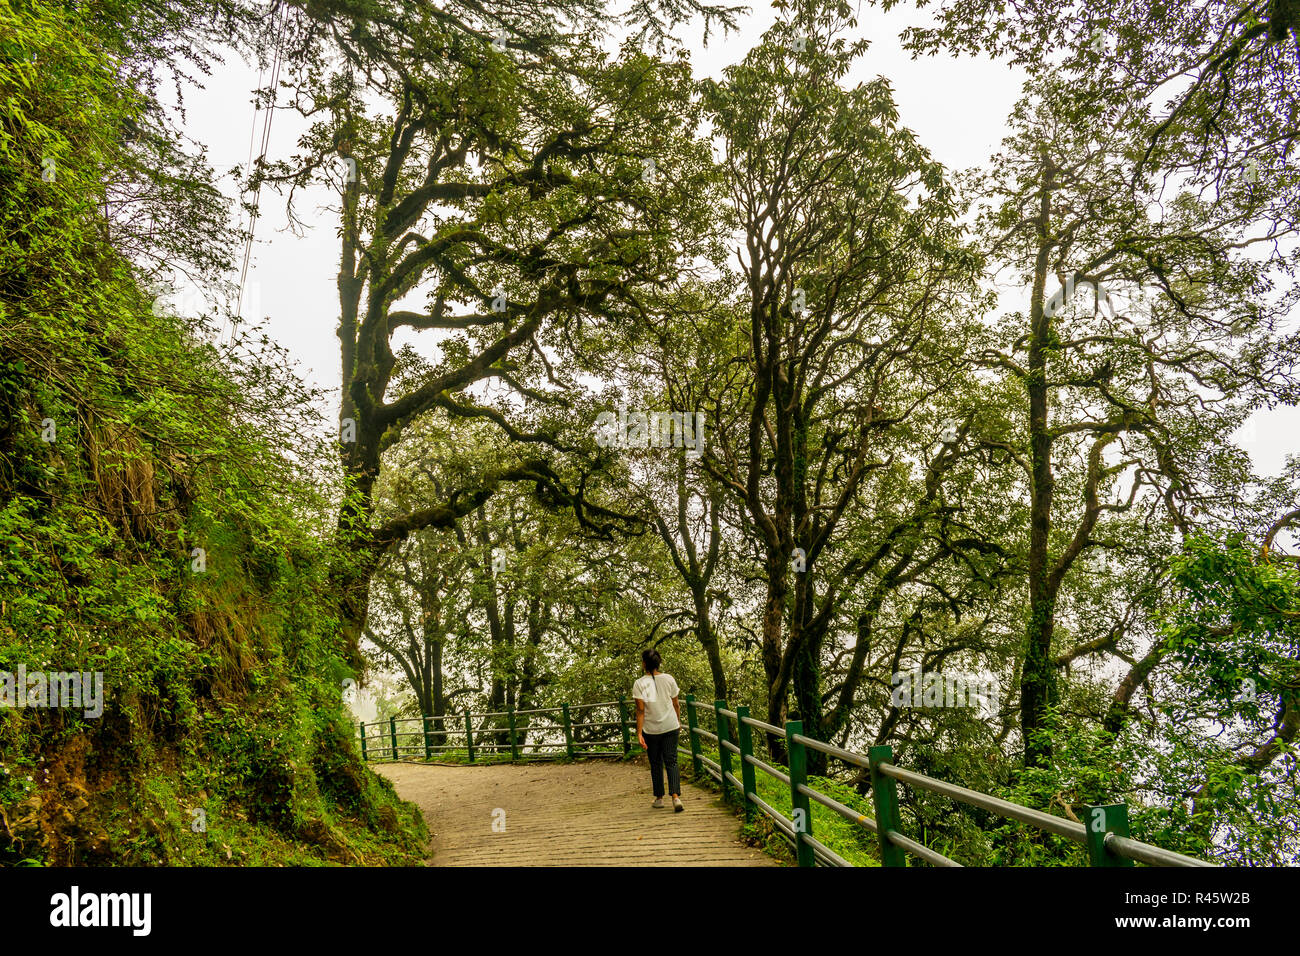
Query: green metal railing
x=1103 y=833
x=573 y=730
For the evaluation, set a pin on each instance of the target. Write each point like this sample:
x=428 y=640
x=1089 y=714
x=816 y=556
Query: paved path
x=589 y=813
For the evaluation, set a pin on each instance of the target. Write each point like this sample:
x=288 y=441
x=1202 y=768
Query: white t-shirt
x=657 y=691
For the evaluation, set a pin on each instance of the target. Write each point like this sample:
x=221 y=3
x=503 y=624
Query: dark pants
x=662 y=749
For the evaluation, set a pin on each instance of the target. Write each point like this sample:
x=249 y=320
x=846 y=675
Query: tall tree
x=1224 y=77
x=1135 y=390
x=851 y=266
x=520 y=192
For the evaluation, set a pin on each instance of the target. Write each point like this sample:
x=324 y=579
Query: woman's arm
x=640 y=721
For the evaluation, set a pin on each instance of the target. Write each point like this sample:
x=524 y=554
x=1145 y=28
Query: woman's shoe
x=677 y=805
x=658 y=804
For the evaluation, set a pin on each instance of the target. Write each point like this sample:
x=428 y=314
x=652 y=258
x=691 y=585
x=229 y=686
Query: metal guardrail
x=1104 y=833
x=384 y=744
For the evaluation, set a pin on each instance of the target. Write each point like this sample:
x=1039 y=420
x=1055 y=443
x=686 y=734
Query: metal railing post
x=884 y=795
x=364 y=757
x=469 y=735
x=568 y=731
x=746 y=736
x=622 y=723
x=514 y=741
x=724 y=755
x=691 y=723
x=392 y=731
x=1101 y=820
x=428 y=740
x=800 y=808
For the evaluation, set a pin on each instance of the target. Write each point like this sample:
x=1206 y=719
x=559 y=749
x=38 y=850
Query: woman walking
x=658 y=719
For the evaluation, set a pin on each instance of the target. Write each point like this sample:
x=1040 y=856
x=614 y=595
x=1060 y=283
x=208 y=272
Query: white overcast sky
x=957 y=106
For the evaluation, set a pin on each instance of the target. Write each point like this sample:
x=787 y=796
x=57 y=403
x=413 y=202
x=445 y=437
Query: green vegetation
x=854 y=843
x=153 y=527
x=900 y=471
x=731 y=367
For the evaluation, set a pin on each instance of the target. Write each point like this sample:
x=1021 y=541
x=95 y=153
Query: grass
x=852 y=841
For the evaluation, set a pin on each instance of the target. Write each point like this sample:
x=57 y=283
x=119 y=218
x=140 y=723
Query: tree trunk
x=773 y=620
x=708 y=640
x=1038 y=673
x=806 y=672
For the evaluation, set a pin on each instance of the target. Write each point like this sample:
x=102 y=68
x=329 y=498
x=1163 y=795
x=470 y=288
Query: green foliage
x=865 y=406
x=170 y=509
x=851 y=841
x=1237 y=622
x=1233 y=708
x=155 y=527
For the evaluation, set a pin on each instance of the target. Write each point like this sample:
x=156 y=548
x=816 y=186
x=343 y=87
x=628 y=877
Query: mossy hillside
x=162 y=521
x=223 y=685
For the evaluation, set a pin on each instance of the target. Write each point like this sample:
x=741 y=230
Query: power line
x=267 y=118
